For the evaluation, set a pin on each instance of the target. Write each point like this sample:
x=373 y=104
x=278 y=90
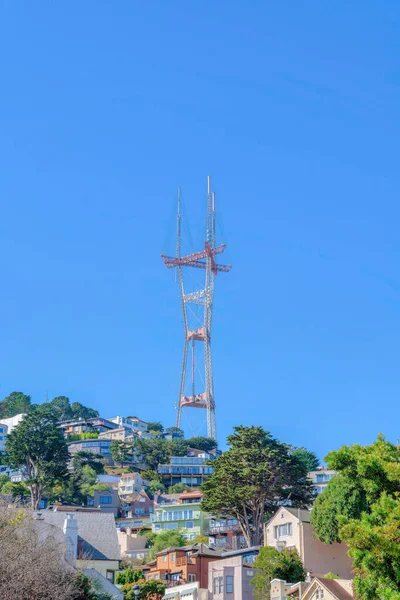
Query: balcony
x=224 y=529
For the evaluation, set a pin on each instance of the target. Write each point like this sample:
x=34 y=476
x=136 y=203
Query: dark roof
x=196 y=549
x=334 y=586
x=97 y=532
x=304 y=514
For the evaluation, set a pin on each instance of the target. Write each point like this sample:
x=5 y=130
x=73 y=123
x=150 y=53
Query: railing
x=224 y=529
x=185 y=560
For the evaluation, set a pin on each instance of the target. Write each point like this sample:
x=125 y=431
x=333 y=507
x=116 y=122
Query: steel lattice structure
x=205 y=259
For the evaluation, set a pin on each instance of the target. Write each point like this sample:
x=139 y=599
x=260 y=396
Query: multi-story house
x=230 y=577
x=131 y=423
x=190 y=470
x=106 y=500
x=188 y=564
x=3 y=433
x=317 y=588
x=180 y=511
x=120 y=434
x=226 y=534
x=138 y=505
x=78 y=426
x=95 y=446
x=131 y=484
x=321 y=478
x=291 y=528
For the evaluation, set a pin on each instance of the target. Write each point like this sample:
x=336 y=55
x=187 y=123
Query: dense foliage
x=37 y=448
x=165 y=539
x=270 y=564
x=17 y=403
x=121 y=452
x=361 y=506
x=14 y=404
x=159 y=451
x=253 y=478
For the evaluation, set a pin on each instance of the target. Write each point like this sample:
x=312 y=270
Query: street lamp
x=136 y=590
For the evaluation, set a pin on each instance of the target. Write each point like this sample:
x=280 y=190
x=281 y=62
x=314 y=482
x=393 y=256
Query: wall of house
x=102 y=566
x=130 y=542
x=322 y=558
x=242 y=576
x=294 y=540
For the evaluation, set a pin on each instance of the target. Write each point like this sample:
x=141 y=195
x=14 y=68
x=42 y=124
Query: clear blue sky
x=293 y=108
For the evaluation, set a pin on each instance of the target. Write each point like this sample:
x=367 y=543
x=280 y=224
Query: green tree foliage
x=155 y=427
x=14 y=404
x=365 y=514
x=37 y=448
x=200 y=539
x=253 y=478
x=156 y=485
x=62 y=408
x=165 y=539
x=81 y=482
x=270 y=564
x=83 y=412
x=307 y=457
x=176 y=431
x=3 y=480
x=202 y=443
x=178 y=488
x=176 y=447
x=121 y=452
x=16 y=490
x=148 y=590
x=129 y=576
x=154 y=452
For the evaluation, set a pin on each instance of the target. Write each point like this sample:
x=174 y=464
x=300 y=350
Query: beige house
x=291 y=528
x=130 y=484
x=230 y=577
x=319 y=588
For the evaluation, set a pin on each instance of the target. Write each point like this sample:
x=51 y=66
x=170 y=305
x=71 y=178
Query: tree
x=365 y=514
x=155 y=427
x=16 y=490
x=121 y=452
x=14 y=404
x=177 y=447
x=178 y=488
x=129 y=576
x=166 y=539
x=253 y=478
x=175 y=431
x=202 y=443
x=154 y=452
x=272 y=563
x=36 y=447
x=308 y=458
x=63 y=408
x=156 y=485
x=151 y=590
x=82 y=412
x=201 y=539
x=3 y=480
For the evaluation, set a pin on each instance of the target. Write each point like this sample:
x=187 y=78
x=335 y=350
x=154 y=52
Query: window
x=164 y=558
x=282 y=530
x=157 y=527
x=191 y=577
x=156 y=576
x=229 y=584
x=171 y=526
x=105 y=499
x=319 y=594
x=173 y=557
x=189 y=524
x=175 y=577
x=139 y=511
x=218 y=584
x=110 y=576
x=192 y=536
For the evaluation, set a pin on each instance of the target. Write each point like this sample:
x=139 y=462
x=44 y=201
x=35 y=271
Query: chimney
x=70 y=530
x=235 y=541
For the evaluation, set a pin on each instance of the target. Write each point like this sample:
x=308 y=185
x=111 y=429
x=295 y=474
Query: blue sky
x=293 y=108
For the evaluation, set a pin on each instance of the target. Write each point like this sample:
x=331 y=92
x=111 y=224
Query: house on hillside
x=230 y=577
x=138 y=505
x=92 y=541
x=180 y=511
x=320 y=478
x=291 y=528
x=106 y=500
x=192 y=469
x=188 y=564
x=318 y=588
x=131 y=484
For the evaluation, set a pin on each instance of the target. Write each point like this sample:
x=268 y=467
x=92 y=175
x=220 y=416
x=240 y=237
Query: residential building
x=175 y=566
x=321 y=478
x=131 y=484
x=138 y=505
x=230 y=577
x=226 y=534
x=91 y=537
x=80 y=425
x=96 y=446
x=120 y=433
x=132 y=544
x=190 y=591
x=12 y=422
x=190 y=470
x=3 y=433
x=291 y=528
x=182 y=513
x=318 y=588
x=106 y=500
x=132 y=423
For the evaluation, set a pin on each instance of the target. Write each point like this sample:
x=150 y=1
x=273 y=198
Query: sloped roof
x=304 y=514
x=96 y=530
x=335 y=586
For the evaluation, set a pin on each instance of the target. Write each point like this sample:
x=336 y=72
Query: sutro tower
x=205 y=259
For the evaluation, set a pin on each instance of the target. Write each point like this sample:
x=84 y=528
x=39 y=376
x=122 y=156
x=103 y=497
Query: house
x=187 y=564
x=318 y=588
x=180 y=511
x=92 y=541
x=131 y=484
x=321 y=478
x=95 y=446
x=132 y=423
x=230 y=577
x=138 y=505
x=81 y=425
x=106 y=500
x=192 y=469
x=291 y=528
x=3 y=433
x=132 y=544
x=190 y=591
x=226 y=533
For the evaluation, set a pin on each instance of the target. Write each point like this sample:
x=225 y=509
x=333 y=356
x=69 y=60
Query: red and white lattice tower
x=203 y=298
